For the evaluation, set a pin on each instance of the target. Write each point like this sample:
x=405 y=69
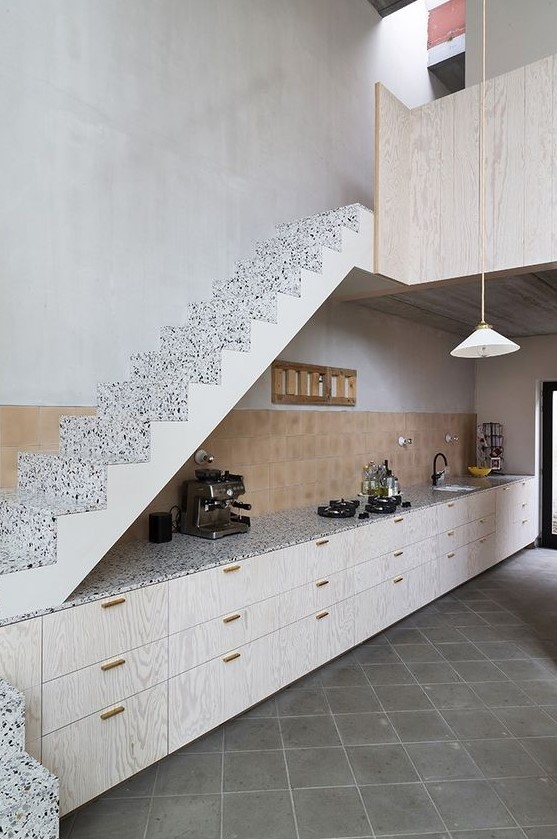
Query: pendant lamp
x=484 y=341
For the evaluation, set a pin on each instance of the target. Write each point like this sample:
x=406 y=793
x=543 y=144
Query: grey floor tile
x=387 y=764
x=528 y=722
x=480 y=671
x=520 y=670
x=542 y=692
x=427 y=835
x=400 y=808
x=365 y=729
x=66 y=825
x=138 y=786
x=296 y=703
x=502 y=619
x=318 y=768
x=551 y=710
x=381 y=654
x=442 y=761
x=481 y=633
x=420 y=726
x=352 y=700
x=298 y=732
x=184 y=817
x=375 y=640
x=496 y=833
x=252 y=815
x=333 y=812
x=466 y=805
x=438 y=672
x=254 y=771
x=268 y=708
x=189 y=774
x=404 y=635
x=311 y=680
x=403 y=698
x=212 y=742
x=343 y=675
x=470 y=619
x=457 y=696
x=112 y=818
x=532 y=801
x=544 y=750
x=501 y=694
x=541 y=832
x=388 y=674
x=473 y=725
x=250 y=734
x=502 y=758
x=443 y=635
x=464 y=651
x=417 y=652
x=500 y=650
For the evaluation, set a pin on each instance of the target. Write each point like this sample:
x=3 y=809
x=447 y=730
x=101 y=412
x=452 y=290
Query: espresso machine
x=208 y=505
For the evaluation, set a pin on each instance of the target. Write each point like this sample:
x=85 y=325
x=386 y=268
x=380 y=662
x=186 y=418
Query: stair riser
x=225 y=319
x=164 y=367
x=265 y=274
x=263 y=303
x=76 y=480
x=31 y=537
x=320 y=226
x=125 y=402
x=103 y=440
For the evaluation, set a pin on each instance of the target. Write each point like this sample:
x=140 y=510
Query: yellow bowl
x=479 y=471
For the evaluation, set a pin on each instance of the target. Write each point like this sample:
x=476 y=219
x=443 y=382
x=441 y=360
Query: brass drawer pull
x=110 y=665
x=450 y=555
x=482 y=521
x=116 y=602
x=398 y=579
x=399 y=519
x=228 y=568
x=113 y=712
x=231 y=657
x=451 y=504
x=322 y=542
x=525 y=504
x=398 y=553
x=230 y=618
x=482 y=541
x=321 y=583
x=450 y=533
x=524 y=521
x=321 y=615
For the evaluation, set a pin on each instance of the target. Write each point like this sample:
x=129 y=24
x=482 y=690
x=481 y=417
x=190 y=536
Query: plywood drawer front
x=453 y=568
x=370 y=612
x=403 y=559
x=298 y=649
x=20 y=653
x=201 y=597
x=372 y=540
x=94 y=754
x=466 y=533
x=195 y=703
x=78 y=694
x=78 y=637
x=482 y=555
x=250 y=674
x=408 y=528
x=316 y=595
x=454 y=513
x=205 y=641
x=335 y=630
x=481 y=504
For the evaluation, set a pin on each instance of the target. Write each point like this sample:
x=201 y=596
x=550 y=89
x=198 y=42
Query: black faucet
x=436 y=475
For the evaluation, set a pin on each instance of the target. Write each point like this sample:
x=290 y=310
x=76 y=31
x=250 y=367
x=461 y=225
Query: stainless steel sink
x=453 y=488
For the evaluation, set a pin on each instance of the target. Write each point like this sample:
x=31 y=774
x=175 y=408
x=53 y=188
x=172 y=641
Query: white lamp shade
x=484 y=342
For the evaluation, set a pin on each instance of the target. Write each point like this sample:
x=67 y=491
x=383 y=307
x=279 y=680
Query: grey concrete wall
x=147 y=144
x=402 y=366
x=517 y=33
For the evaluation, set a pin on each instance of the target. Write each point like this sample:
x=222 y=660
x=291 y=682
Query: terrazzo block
x=291 y=252
x=28 y=800
x=104 y=439
x=316 y=227
x=179 y=340
x=151 y=367
x=260 y=303
x=126 y=401
x=262 y=271
x=12 y=721
x=224 y=318
x=27 y=534
x=76 y=479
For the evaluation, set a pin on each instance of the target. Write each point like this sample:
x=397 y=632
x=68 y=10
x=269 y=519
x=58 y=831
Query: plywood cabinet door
x=99 y=751
x=195 y=703
x=335 y=630
x=298 y=649
x=250 y=674
x=20 y=665
x=370 y=612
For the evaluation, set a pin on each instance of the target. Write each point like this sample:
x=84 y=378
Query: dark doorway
x=549 y=464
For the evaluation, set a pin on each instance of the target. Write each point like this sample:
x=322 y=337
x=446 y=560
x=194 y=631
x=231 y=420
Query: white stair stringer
x=83 y=538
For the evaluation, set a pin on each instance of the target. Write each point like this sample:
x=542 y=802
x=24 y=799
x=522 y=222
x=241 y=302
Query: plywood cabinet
x=20 y=664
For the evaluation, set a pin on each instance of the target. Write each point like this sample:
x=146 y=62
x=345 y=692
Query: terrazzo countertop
x=141 y=563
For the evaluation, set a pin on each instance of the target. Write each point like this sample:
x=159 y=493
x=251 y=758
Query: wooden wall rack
x=294 y=383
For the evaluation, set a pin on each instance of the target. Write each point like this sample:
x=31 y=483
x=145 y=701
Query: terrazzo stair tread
x=179 y=340
x=317 y=225
x=293 y=252
x=264 y=271
x=135 y=401
x=28 y=532
x=326 y=237
x=28 y=799
x=105 y=439
x=225 y=318
x=257 y=300
x=12 y=720
x=153 y=366
x=79 y=479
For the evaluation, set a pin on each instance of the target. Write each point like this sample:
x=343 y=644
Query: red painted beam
x=446 y=22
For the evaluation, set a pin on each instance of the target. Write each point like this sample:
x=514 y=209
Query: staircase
x=72 y=506
x=28 y=792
